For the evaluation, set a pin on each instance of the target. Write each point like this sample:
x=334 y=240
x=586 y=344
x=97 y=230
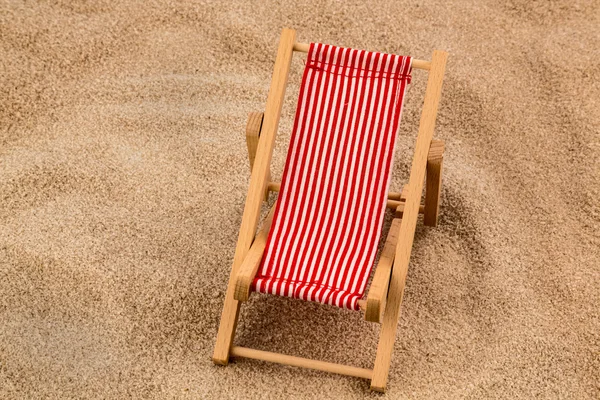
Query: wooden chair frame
x=387 y=287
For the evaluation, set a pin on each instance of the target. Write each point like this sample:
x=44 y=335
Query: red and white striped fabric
x=328 y=218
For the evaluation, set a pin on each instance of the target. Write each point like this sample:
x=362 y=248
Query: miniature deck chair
x=319 y=241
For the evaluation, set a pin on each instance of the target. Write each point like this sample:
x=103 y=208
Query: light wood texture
x=237 y=351
x=258 y=183
x=409 y=222
x=404 y=193
x=362 y=304
x=378 y=291
x=249 y=267
x=433 y=182
x=274 y=186
x=420 y=64
x=398 y=195
x=394 y=204
x=253 y=127
x=400 y=209
x=436 y=151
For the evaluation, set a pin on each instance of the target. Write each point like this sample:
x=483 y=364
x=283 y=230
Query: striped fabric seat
x=328 y=218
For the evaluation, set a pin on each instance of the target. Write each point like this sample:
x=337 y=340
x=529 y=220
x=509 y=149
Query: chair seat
x=309 y=291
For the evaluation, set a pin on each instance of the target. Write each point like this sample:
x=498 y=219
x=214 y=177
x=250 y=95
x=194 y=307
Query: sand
x=123 y=172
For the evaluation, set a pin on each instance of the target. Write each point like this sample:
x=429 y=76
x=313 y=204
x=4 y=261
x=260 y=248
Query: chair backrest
x=330 y=209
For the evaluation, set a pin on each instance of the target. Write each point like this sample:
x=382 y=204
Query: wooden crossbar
x=237 y=351
x=419 y=64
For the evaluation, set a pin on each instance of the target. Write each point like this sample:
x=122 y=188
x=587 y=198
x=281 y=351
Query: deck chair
x=319 y=240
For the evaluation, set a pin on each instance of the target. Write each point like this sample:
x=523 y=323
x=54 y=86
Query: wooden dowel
x=394 y=196
x=400 y=209
x=398 y=195
x=274 y=186
x=394 y=204
x=238 y=351
x=419 y=64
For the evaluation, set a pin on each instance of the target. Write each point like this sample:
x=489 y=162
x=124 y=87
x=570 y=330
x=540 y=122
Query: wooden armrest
x=430 y=209
x=253 y=129
x=249 y=267
x=433 y=185
x=436 y=151
x=253 y=126
x=377 y=296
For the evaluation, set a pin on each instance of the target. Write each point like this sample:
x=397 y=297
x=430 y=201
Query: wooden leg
x=256 y=190
x=378 y=291
x=253 y=127
x=435 y=160
x=387 y=337
x=406 y=235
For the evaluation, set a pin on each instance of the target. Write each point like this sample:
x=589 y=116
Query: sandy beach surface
x=123 y=174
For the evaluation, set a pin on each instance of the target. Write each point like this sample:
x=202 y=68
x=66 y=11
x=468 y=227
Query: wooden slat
x=433 y=182
x=376 y=298
x=237 y=351
x=258 y=182
x=409 y=222
x=420 y=64
x=249 y=267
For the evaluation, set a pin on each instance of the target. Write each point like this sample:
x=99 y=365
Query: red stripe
x=290 y=241
x=291 y=169
x=308 y=198
x=333 y=205
x=320 y=185
x=366 y=180
x=316 y=254
x=376 y=210
x=353 y=177
x=339 y=224
x=366 y=188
